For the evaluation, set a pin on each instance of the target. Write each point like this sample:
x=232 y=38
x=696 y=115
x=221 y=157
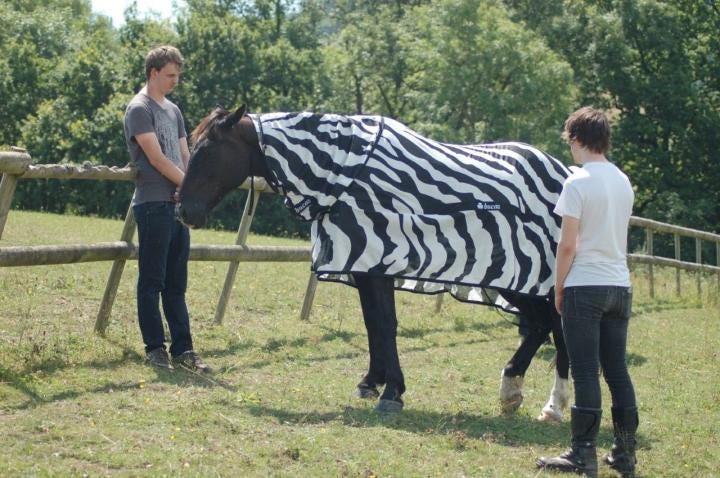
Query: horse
x=349 y=175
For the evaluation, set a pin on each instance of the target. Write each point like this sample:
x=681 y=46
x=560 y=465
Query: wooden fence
x=17 y=164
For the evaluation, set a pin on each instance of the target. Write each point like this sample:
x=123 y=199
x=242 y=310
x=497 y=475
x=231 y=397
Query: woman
x=593 y=295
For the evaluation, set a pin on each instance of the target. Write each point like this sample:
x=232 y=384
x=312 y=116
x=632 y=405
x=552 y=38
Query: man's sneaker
x=159 y=358
x=191 y=360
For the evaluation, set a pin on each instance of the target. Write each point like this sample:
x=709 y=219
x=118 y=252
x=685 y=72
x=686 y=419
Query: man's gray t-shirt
x=145 y=115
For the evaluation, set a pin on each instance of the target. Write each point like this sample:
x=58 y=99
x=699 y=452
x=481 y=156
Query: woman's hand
x=559 y=300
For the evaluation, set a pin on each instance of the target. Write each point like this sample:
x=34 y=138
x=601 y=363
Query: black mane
x=207 y=124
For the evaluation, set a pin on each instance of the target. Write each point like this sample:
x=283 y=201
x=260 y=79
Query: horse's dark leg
x=562 y=364
x=560 y=393
x=390 y=400
x=367 y=388
x=520 y=361
x=377 y=297
x=511 y=381
x=534 y=309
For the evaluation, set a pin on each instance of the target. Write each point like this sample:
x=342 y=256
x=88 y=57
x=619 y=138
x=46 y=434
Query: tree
x=482 y=77
x=367 y=64
x=654 y=65
x=34 y=35
x=456 y=70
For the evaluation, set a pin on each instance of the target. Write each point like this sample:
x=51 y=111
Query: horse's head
x=225 y=152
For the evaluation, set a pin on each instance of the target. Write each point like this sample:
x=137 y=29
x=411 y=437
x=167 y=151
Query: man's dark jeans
x=595 y=323
x=164 y=249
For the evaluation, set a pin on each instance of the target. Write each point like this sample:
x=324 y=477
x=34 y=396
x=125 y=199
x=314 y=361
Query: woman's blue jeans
x=595 y=324
x=164 y=249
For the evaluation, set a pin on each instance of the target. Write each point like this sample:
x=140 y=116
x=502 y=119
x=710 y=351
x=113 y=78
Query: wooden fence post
x=7 y=189
x=438 y=303
x=243 y=230
x=19 y=161
x=717 y=264
x=698 y=259
x=309 y=297
x=113 y=282
x=677 y=258
x=649 y=246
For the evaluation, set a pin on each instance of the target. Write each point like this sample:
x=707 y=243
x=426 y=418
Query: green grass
x=74 y=404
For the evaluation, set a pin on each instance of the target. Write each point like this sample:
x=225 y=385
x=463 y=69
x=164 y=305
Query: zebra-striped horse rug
x=384 y=200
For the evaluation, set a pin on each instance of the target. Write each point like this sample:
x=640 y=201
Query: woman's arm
x=565 y=255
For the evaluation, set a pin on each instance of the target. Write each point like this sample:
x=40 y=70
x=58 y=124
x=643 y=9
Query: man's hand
x=176 y=195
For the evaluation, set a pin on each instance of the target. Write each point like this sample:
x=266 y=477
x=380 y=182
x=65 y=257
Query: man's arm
x=184 y=152
x=151 y=147
x=565 y=255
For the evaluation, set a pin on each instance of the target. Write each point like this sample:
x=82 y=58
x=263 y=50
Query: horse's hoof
x=550 y=415
x=511 y=396
x=389 y=406
x=367 y=392
x=511 y=404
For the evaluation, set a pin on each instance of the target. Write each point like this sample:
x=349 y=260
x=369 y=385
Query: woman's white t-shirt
x=601 y=197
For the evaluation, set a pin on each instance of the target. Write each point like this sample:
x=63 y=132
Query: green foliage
x=654 y=63
x=458 y=70
x=32 y=37
x=367 y=61
x=271 y=218
x=483 y=77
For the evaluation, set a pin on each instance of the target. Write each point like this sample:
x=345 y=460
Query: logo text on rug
x=302 y=205
x=488 y=206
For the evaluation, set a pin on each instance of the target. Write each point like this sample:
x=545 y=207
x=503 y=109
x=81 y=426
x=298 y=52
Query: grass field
x=280 y=404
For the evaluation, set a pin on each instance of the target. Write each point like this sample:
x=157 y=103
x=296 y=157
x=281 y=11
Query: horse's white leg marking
x=511 y=396
x=558 y=401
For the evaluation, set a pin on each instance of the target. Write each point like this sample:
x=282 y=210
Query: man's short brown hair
x=160 y=56
x=590 y=127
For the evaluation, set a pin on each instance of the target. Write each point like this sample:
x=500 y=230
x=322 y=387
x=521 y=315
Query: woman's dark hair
x=590 y=127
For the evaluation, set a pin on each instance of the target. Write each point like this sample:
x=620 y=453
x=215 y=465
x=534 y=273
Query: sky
x=115 y=8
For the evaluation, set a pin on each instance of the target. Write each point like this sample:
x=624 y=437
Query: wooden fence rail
x=17 y=164
x=655 y=227
x=107 y=251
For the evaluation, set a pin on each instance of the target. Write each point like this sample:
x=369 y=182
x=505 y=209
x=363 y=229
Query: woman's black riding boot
x=581 y=458
x=622 y=455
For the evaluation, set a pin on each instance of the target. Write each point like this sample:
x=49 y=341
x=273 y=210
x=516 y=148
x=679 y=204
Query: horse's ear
x=230 y=120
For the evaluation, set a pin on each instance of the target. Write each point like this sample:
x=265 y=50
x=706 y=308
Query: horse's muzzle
x=194 y=218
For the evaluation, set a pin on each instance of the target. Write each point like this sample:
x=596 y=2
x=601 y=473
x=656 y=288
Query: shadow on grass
x=659 y=305
x=458 y=327
x=234 y=348
x=334 y=334
x=18 y=382
x=417 y=332
x=635 y=360
x=511 y=430
x=178 y=377
x=22 y=381
x=358 y=353
x=506 y=430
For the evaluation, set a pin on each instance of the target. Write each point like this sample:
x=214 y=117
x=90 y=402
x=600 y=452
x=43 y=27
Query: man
x=156 y=139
